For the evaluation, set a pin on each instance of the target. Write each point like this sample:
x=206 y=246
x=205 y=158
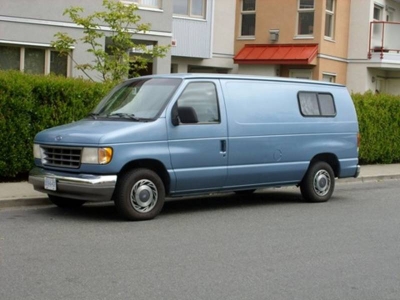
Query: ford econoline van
x=172 y=135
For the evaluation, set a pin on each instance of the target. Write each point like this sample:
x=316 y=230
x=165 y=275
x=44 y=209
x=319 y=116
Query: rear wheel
x=65 y=202
x=140 y=195
x=318 y=183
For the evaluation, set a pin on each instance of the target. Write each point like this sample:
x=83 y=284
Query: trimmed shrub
x=379 y=121
x=31 y=103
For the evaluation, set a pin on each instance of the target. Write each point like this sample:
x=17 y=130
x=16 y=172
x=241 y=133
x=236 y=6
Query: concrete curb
x=370 y=178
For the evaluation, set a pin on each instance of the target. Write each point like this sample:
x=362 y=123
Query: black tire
x=318 y=183
x=65 y=202
x=140 y=195
x=245 y=192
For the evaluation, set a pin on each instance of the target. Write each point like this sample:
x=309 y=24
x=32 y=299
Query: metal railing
x=384 y=37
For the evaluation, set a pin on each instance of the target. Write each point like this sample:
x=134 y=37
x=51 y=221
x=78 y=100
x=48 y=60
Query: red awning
x=294 y=54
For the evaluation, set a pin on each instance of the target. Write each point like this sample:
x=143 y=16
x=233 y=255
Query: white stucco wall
x=360 y=16
x=357 y=78
x=224 y=27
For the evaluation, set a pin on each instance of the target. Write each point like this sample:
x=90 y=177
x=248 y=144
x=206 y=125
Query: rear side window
x=314 y=104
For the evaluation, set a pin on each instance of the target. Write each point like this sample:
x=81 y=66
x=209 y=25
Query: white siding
x=193 y=36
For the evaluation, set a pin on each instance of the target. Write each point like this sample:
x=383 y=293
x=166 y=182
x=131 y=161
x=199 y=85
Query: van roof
x=238 y=76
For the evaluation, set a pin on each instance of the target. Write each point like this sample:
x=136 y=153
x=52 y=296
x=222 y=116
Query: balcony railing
x=384 y=38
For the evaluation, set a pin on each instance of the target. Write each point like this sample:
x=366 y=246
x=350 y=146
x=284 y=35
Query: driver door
x=197 y=143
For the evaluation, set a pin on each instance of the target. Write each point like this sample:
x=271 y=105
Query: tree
x=118 y=23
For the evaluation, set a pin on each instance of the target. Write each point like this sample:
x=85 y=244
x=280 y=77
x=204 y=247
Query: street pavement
x=14 y=194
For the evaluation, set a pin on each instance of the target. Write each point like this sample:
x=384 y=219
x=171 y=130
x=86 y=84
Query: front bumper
x=86 y=187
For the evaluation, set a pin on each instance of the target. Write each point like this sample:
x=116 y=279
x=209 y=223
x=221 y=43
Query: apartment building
x=374 y=46
x=352 y=42
x=190 y=26
x=293 y=38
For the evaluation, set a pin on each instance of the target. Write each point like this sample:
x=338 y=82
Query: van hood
x=95 y=132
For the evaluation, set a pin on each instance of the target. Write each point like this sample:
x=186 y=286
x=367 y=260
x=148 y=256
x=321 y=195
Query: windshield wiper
x=93 y=115
x=125 y=115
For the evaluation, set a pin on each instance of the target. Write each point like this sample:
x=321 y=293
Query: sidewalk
x=15 y=194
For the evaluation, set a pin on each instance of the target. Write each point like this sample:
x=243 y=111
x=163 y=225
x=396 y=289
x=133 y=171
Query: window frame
x=216 y=99
x=320 y=115
x=189 y=11
x=302 y=11
x=332 y=14
x=247 y=12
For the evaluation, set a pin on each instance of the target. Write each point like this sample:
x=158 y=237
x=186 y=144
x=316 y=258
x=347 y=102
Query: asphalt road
x=268 y=246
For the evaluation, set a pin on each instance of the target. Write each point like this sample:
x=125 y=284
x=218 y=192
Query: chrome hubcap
x=322 y=183
x=144 y=196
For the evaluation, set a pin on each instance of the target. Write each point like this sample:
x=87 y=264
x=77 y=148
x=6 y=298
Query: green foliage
x=379 y=121
x=31 y=103
x=113 y=62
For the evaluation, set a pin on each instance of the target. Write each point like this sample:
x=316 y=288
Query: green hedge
x=31 y=103
x=379 y=121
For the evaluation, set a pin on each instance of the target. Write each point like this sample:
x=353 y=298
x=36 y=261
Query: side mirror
x=175 y=115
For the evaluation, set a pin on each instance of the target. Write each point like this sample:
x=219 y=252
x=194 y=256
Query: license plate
x=50 y=184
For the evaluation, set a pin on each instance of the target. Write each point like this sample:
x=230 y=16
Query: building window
x=190 y=8
x=306 y=17
x=330 y=18
x=329 y=78
x=33 y=60
x=58 y=63
x=10 y=58
x=378 y=12
x=248 y=26
x=146 y=3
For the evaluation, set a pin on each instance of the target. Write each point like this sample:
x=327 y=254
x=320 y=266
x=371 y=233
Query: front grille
x=64 y=157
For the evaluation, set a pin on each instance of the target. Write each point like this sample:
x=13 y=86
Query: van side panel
x=271 y=142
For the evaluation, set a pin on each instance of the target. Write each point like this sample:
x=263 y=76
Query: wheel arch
x=151 y=164
x=329 y=158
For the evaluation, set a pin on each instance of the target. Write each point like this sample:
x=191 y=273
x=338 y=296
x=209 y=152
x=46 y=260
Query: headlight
x=37 y=152
x=100 y=156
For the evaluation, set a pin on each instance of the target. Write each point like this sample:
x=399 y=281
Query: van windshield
x=140 y=99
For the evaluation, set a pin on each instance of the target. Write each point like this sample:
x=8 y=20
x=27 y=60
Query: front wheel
x=318 y=183
x=139 y=195
x=65 y=202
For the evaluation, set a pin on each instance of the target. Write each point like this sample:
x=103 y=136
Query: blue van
x=182 y=134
